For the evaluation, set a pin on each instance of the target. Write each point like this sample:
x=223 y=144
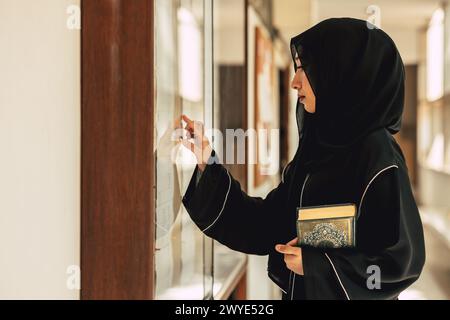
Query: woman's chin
x=307 y=109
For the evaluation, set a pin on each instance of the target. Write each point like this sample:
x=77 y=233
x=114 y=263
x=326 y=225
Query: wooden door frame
x=117 y=163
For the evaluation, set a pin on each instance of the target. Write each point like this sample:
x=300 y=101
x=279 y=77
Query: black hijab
x=357 y=76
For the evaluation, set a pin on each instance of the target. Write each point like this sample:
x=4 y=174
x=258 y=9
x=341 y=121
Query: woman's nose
x=295 y=84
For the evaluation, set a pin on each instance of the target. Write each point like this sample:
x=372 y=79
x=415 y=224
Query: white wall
x=39 y=149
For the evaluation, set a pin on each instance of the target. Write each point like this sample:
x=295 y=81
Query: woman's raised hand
x=196 y=141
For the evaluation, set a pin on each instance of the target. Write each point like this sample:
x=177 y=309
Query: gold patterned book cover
x=328 y=226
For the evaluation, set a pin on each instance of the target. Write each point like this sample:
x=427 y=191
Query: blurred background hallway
x=421 y=31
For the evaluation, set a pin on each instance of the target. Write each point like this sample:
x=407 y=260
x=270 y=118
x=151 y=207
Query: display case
x=188 y=265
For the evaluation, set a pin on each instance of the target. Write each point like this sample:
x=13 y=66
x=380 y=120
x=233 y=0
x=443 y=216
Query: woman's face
x=303 y=87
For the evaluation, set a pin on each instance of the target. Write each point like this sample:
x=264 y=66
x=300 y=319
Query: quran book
x=328 y=226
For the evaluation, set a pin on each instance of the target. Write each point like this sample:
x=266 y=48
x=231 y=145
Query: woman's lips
x=301 y=98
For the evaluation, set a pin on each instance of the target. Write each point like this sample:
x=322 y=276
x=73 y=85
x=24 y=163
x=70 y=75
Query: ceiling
x=294 y=16
x=401 y=19
x=398 y=13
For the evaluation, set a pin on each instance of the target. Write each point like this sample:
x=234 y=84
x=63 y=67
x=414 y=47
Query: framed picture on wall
x=265 y=111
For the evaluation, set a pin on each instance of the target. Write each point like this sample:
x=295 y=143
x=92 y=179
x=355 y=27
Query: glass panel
x=208 y=248
x=195 y=76
x=229 y=107
x=447 y=88
x=183 y=253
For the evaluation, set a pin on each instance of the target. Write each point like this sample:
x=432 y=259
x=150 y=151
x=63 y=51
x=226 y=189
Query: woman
x=350 y=82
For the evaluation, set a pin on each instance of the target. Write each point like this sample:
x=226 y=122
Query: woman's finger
x=189 y=133
x=193 y=133
x=195 y=127
x=187 y=127
x=190 y=136
x=190 y=123
x=281 y=248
